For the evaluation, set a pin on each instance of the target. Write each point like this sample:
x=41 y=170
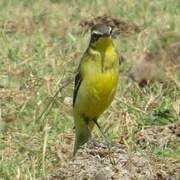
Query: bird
x=95 y=83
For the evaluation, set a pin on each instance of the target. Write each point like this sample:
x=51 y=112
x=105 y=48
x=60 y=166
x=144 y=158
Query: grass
x=41 y=43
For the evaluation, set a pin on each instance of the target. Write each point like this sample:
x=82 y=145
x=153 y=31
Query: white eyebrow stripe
x=97 y=32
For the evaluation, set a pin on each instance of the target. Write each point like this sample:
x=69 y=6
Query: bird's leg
x=99 y=127
x=107 y=141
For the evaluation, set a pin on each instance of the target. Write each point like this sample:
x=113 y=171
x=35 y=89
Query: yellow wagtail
x=95 y=82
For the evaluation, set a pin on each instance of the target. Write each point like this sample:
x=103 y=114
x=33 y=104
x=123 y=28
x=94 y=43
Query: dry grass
x=40 y=46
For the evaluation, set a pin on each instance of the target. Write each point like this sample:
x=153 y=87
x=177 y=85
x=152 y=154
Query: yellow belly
x=96 y=93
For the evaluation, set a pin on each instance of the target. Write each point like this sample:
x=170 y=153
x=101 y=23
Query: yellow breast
x=97 y=93
x=97 y=89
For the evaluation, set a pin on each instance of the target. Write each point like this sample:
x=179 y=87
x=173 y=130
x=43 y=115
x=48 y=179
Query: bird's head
x=100 y=35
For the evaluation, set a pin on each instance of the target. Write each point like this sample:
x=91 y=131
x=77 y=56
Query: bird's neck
x=105 y=54
x=103 y=44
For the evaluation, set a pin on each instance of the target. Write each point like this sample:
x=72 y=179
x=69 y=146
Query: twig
x=131 y=106
x=46 y=110
x=46 y=129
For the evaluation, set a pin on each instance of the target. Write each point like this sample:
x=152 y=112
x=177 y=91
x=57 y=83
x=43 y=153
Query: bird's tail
x=83 y=129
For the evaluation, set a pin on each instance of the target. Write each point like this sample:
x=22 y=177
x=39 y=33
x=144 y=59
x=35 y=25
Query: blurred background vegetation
x=41 y=43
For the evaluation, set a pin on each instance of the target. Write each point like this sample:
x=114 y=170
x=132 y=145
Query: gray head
x=100 y=30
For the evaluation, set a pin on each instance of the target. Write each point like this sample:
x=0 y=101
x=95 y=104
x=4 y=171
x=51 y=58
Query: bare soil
x=96 y=162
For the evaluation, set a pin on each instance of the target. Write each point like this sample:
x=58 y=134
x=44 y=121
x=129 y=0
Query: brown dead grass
x=160 y=66
x=158 y=135
x=119 y=25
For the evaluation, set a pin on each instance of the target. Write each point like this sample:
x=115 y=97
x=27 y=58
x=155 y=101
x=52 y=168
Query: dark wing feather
x=77 y=83
x=78 y=77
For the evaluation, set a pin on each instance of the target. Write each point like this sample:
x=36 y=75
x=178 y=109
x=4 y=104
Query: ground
x=41 y=43
x=97 y=162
